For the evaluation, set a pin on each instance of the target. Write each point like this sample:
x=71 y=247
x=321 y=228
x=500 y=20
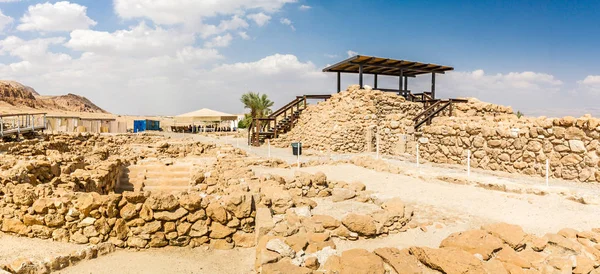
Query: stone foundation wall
x=517 y=145
x=135 y=220
x=349 y=121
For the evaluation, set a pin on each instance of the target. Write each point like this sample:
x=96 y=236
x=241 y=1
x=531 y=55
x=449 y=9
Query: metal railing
x=20 y=123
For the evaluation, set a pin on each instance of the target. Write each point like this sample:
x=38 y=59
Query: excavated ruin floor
x=13 y=248
x=169 y=260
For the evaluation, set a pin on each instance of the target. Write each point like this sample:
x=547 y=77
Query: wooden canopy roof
x=385 y=66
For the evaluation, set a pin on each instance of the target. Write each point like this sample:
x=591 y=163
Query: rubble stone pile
x=518 y=145
x=348 y=121
x=474 y=107
x=495 y=248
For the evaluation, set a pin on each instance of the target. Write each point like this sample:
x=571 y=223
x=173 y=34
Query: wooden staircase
x=280 y=121
x=434 y=108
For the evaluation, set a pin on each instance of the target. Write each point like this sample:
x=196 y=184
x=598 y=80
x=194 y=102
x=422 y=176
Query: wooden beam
x=419 y=68
x=405 y=83
x=379 y=73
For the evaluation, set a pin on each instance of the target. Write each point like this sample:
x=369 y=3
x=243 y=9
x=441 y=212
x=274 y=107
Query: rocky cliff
x=19 y=95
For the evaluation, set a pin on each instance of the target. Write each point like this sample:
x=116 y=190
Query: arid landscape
x=355 y=201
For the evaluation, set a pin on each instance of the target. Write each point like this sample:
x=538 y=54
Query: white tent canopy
x=206 y=115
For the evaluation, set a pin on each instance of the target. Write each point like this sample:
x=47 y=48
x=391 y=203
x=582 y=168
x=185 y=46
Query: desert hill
x=20 y=96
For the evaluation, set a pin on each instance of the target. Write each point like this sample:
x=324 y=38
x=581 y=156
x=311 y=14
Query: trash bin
x=297 y=149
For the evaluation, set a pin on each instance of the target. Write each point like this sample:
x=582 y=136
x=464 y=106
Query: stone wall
x=349 y=121
x=507 y=143
x=135 y=220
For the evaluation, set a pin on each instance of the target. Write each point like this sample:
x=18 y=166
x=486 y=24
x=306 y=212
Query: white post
x=417 y=153
x=377 y=144
x=269 y=146
x=299 y=148
x=547 y=172
x=469 y=163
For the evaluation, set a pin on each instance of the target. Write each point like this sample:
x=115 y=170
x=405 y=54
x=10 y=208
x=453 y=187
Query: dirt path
x=473 y=205
x=169 y=260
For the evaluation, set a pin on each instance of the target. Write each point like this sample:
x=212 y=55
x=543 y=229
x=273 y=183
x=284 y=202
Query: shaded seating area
x=204 y=120
x=403 y=69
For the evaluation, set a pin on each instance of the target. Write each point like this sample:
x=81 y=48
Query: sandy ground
x=169 y=260
x=13 y=248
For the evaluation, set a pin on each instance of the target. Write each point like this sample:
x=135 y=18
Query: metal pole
x=405 y=82
x=469 y=163
x=360 y=76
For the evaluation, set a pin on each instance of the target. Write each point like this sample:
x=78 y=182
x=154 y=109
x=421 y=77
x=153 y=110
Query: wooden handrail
x=435 y=112
x=284 y=108
x=427 y=110
x=300 y=103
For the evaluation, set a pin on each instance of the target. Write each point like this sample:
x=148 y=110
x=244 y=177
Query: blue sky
x=173 y=56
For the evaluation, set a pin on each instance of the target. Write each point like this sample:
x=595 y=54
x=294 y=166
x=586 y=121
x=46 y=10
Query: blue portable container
x=143 y=125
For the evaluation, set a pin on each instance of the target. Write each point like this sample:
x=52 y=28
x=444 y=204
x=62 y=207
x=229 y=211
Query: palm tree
x=259 y=105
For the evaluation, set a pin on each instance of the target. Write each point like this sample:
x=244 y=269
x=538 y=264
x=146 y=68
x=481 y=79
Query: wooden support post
x=400 y=85
x=339 y=82
x=405 y=82
x=275 y=127
x=433 y=85
x=360 y=75
x=375 y=81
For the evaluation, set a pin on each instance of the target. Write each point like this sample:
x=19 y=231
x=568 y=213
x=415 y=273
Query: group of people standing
x=199 y=128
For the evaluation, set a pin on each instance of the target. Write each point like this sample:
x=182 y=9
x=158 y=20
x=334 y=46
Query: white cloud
x=304 y=7
x=219 y=41
x=244 y=35
x=140 y=40
x=190 y=11
x=259 y=18
x=287 y=22
x=589 y=85
x=60 y=16
x=234 y=23
x=351 y=53
x=5 y=21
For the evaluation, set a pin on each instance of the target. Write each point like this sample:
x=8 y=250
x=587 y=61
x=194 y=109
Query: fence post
x=547 y=172
x=469 y=163
x=417 y=153
x=299 y=150
x=377 y=144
